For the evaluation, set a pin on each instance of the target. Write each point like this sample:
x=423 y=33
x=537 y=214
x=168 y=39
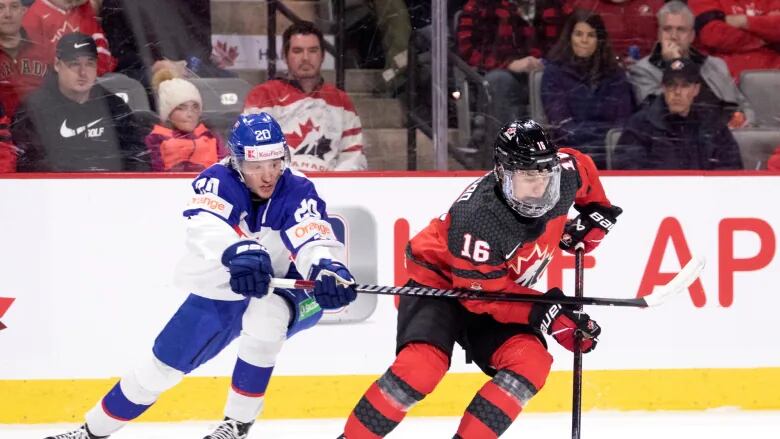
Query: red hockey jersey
x=482 y=244
x=321 y=127
x=47 y=23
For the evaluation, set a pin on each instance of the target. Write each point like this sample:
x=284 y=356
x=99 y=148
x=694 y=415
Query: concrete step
x=249 y=17
x=379 y=112
x=386 y=150
x=356 y=80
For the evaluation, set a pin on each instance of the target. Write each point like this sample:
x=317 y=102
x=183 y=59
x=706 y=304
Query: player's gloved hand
x=589 y=227
x=250 y=268
x=334 y=285
x=563 y=322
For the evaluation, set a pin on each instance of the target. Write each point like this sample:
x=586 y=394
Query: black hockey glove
x=250 y=268
x=589 y=227
x=563 y=322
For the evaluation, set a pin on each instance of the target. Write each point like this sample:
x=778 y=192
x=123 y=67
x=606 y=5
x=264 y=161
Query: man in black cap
x=71 y=124
x=672 y=133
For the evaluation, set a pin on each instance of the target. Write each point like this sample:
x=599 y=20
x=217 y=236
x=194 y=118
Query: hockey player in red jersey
x=499 y=235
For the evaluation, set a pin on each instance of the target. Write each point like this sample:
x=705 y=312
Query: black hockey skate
x=230 y=429
x=82 y=433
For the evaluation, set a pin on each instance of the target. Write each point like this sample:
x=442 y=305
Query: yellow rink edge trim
x=202 y=398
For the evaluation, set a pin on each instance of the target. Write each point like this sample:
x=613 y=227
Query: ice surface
x=712 y=424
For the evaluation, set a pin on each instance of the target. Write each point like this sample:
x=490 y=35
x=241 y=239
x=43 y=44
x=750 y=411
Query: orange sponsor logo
x=311 y=228
x=208 y=203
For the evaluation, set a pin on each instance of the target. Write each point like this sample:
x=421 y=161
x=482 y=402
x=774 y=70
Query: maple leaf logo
x=66 y=28
x=5 y=303
x=530 y=265
x=295 y=138
x=224 y=56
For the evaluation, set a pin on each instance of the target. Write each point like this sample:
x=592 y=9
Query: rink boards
x=89 y=261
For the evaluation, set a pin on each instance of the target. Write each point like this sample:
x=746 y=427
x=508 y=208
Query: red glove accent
x=589 y=227
x=564 y=322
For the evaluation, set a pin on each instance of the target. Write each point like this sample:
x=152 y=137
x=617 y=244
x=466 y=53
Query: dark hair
x=301 y=28
x=603 y=60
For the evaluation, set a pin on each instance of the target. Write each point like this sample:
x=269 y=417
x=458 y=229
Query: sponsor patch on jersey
x=309 y=228
x=211 y=202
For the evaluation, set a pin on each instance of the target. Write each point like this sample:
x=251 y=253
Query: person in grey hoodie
x=719 y=94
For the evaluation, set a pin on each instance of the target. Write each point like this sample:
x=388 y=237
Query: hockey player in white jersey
x=249 y=217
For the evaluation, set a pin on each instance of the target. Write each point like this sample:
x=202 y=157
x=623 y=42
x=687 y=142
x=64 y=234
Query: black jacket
x=657 y=139
x=56 y=134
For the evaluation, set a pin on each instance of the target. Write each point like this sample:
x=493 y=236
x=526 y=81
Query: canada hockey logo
x=529 y=265
x=5 y=303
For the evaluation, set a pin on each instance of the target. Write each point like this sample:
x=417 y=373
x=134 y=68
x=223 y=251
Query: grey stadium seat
x=756 y=145
x=222 y=95
x=130 y=90
x=535 y=97
x=762 y=90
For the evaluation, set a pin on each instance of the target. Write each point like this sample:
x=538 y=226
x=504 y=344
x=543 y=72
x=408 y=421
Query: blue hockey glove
x=250 y=268
x=334 y=285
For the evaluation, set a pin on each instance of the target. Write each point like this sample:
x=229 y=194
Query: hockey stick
x=576 y=398
x=660 y=295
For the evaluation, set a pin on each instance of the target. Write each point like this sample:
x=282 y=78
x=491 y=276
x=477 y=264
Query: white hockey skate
x=82 y=433
x=230 y=429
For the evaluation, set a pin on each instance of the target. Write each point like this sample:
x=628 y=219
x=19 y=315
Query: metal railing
x=472 y=159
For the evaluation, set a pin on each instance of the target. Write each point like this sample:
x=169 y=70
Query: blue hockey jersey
x=292 y=225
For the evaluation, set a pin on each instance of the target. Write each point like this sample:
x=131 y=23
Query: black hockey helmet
x=527 y=167
x=523 y=144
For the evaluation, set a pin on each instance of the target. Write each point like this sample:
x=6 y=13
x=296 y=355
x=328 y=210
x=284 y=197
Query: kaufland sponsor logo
x=265 y=152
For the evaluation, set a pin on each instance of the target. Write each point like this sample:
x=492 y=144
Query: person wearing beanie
x=181 y=142
x=72 y=124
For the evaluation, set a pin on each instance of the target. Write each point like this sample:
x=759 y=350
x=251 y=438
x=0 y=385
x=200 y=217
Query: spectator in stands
x=505 y=40
x=319 y=120
x=585 y=93
x=745 y=33
x=181 y=142
x=23 y=62
x=149 y=35
x=773 y=164
x=671 y=133
x=72 y=124
x=47 y=21
x=719 y=94
x=7 y=149
x=631 y=24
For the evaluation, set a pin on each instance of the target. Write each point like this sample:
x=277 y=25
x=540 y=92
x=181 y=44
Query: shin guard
x=523 y=365
x=417 y=370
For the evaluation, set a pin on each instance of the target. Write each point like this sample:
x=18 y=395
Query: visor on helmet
x=532 y=193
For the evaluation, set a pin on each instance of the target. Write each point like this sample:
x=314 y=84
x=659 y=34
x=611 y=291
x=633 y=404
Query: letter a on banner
x=669 y=230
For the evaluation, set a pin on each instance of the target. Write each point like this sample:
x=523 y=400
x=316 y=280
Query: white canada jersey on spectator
x=321 y=127
x=292 y=225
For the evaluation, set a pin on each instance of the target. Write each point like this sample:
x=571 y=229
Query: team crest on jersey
x=529 y=264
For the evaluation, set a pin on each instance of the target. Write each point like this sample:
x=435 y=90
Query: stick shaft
x=469 y=294
x=576 y=402
x=660 y=295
